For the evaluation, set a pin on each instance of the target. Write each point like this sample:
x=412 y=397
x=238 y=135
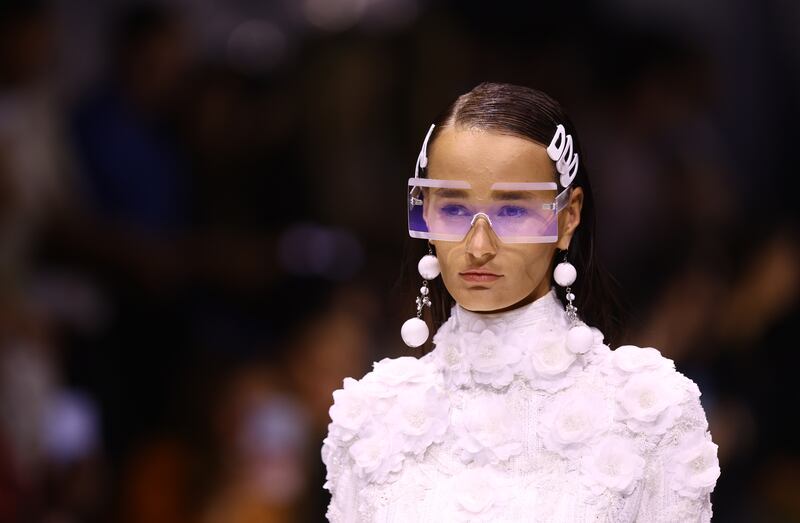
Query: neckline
x=495 y=349
x=542 y=308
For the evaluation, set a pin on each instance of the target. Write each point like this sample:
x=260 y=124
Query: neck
x=546 y=307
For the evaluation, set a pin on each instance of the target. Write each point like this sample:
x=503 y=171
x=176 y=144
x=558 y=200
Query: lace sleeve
x=340 y=482
x=683 y=468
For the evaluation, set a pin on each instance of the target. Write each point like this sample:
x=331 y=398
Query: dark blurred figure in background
x=51 y=461
x=133 y=170
x=32 y=152
x=245 y=450
x=133 y=189
x=139 y=234
x=187 y=179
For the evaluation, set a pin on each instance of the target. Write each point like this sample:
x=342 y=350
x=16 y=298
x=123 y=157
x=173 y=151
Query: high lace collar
x=546 y=309
x=495 y=349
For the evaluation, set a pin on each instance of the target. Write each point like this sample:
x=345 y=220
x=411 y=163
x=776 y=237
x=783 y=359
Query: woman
x=520 y=412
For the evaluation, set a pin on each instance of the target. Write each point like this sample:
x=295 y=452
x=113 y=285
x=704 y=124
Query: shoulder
x=654 y=400
x=360 y=402
x=659 y=392
x=396 y=410
x=651 y=395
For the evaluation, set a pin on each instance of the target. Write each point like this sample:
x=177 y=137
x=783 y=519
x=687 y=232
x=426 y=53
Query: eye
x=454 y=210
x=513 y=211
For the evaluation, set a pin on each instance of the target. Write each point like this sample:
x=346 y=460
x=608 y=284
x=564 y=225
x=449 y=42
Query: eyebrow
x=450 y=193
x=512 y=195
x=524 y=186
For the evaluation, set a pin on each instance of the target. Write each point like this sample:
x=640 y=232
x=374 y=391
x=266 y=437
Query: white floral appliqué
x=350 y=410
x=487 y=430
x=394 y=372
x=549 y=364
x=694 y=467
x=376 y=457
x=479 y=495
x=573 y=420
x=627 y=360
x=418 y=418
x=398 y=409
x=649 y=401
x=452 y=358
x=493 y=361
x=612 y=464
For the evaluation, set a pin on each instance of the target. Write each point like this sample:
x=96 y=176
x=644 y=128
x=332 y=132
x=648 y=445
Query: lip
x=479 y=276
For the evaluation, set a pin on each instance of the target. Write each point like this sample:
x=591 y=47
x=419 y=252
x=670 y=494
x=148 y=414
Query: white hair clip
x=560 y=151
x=422 y=159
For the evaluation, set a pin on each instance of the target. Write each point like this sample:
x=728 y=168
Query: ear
x=570 y=218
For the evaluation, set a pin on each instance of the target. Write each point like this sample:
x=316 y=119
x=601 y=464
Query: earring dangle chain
x=423 y=300
x=572 y=310
x=415 y=331
x=580 y=337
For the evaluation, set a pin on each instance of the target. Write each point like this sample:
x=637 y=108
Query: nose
x=481 y=240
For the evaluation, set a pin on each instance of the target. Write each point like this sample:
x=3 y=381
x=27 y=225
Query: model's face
x=504 y=275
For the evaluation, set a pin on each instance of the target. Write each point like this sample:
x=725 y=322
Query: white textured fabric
x=504 y=422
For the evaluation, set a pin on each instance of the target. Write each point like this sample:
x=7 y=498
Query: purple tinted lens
x=448 y=215
x=416 y=220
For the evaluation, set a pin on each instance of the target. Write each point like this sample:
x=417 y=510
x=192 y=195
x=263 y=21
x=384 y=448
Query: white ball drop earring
x=415 y=331
x=580 y=337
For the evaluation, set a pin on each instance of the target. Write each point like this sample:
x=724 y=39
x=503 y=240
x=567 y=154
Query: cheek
x=447 y=252
x=530 y=264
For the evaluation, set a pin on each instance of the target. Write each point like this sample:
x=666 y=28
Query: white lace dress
x=502 y=422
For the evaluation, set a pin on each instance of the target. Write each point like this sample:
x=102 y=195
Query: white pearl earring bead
x=579 y=339
x=414 y=332
x=428 y=267
x=565 y=274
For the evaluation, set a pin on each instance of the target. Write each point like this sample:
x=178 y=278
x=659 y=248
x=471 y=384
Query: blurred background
x=202 y=228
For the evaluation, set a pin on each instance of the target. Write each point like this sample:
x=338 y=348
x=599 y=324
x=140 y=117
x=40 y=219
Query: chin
x=473 y=301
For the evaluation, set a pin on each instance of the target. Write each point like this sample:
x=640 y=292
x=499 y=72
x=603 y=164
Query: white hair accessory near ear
x=580 y=336
x=560 y=151
x=422 y=159
x=415 y=331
